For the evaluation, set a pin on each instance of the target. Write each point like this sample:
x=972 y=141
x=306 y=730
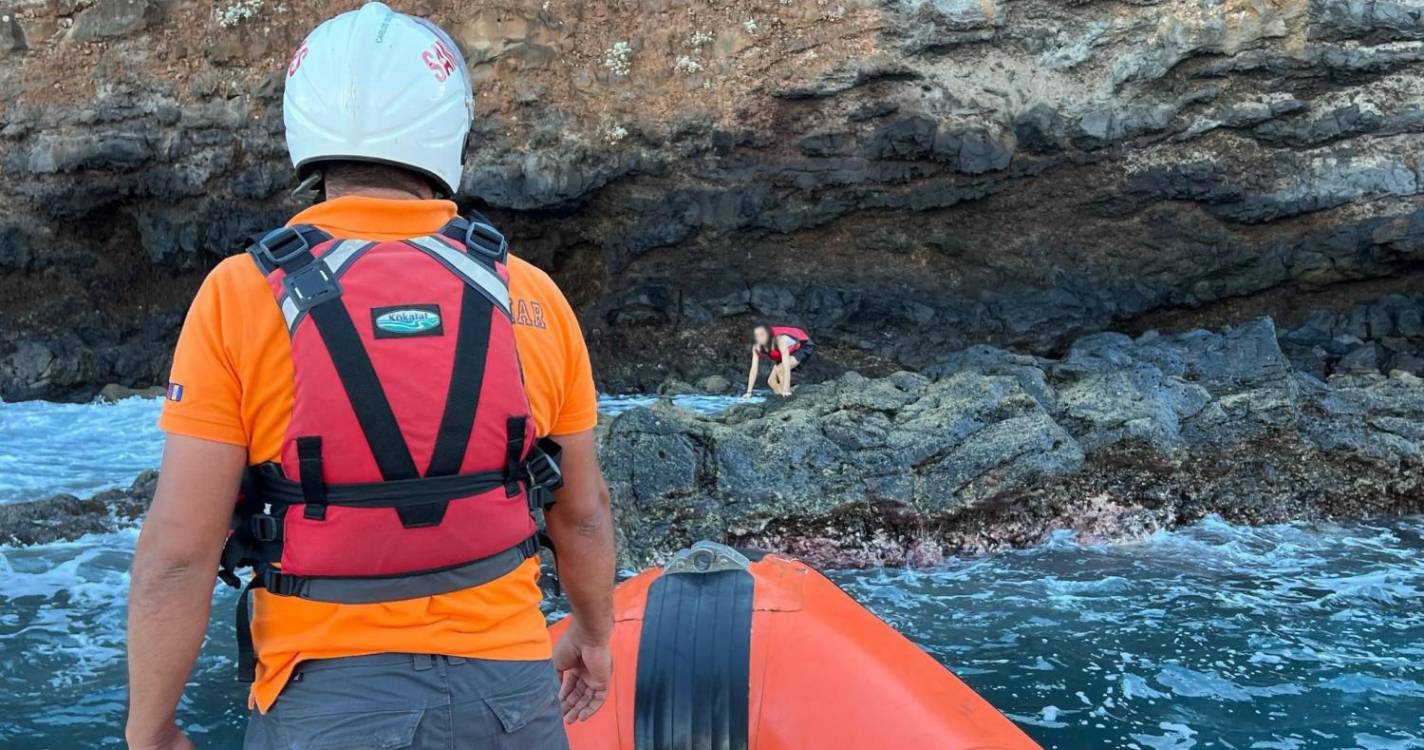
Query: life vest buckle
x=312 y=285
x=281 y=246
x=543 y=469
x=487 y=240
x=543 y=472
x=264 y=527
x=282 y=585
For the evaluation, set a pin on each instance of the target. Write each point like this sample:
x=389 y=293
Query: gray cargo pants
x=414 y=702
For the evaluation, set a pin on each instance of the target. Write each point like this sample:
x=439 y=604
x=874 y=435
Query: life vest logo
x=174 y=392
x=406 y=321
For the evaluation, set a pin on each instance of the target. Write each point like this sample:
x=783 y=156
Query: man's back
x=355 y=424
x=234 y=365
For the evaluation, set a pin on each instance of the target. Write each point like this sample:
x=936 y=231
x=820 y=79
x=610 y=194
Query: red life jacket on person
x=409 y=467
x=772 y=351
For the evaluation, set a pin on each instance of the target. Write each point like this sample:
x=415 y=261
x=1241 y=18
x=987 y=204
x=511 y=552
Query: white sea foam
x=75 y=448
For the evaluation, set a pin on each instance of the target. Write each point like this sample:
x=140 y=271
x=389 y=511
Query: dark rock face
x=906 y=179
x=990 y=449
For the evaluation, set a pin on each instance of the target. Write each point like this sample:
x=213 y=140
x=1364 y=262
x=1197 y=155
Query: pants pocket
x=529 y=692
x=358 y=730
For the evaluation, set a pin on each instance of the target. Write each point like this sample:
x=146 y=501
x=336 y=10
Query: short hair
x=344 y=176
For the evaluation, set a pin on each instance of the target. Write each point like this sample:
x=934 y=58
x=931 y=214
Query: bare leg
x=786 y=368
x=777 y=381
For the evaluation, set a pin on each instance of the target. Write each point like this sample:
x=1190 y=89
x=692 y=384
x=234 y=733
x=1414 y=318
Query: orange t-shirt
x=233 y=362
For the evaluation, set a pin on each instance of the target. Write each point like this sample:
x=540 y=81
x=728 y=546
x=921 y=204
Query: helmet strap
x=312 y=182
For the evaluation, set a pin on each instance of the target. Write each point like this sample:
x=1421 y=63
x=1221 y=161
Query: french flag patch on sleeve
x=175 y=392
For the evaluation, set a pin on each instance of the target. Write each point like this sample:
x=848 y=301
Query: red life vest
x=409 y=467
x=772 y=351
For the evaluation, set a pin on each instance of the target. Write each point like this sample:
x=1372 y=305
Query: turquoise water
x=1286 y=637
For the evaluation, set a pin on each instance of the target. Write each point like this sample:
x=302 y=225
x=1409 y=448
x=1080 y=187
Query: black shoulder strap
x=310 y=286
x=288 y=248
x=365 y=392
x=466 y=381
x=479 y=236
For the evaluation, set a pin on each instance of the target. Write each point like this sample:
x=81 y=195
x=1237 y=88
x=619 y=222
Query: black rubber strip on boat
x=694 y=663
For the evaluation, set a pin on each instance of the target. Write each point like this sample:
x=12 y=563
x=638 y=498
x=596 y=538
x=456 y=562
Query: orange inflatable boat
x=721 y=650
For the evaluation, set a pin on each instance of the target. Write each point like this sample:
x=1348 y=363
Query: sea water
x=1287 y=637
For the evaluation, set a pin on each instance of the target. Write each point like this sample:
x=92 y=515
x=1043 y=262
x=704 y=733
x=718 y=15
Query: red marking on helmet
x=439 y=59
x=297 y=58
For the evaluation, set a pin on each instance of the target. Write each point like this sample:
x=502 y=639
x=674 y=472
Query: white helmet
x=379 y=86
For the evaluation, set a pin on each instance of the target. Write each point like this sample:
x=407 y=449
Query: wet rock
x=71 y=364
x=676 y=387
x=714 y=384
x=114 y=392
x=1120 y=436
x=65 y=517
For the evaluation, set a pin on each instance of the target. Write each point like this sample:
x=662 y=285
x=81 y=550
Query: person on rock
x=786 y=348
x=355 y=414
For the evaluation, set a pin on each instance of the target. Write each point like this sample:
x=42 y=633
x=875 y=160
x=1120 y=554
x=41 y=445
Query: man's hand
x=581 y=526
x=586 y=666
x=170 y=739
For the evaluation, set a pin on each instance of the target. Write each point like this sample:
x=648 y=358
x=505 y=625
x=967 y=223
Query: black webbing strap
x=313 y=477
x=466 y=380
x=514 y=454
x=272 y=487
x=312 y=289
x=364 y=391
x=246 y=653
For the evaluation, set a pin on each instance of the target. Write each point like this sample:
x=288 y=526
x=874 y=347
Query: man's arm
x=752 y=376
x=581 y=526
x=171 y=589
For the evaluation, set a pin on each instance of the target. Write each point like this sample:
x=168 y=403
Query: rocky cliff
x=904 y=177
